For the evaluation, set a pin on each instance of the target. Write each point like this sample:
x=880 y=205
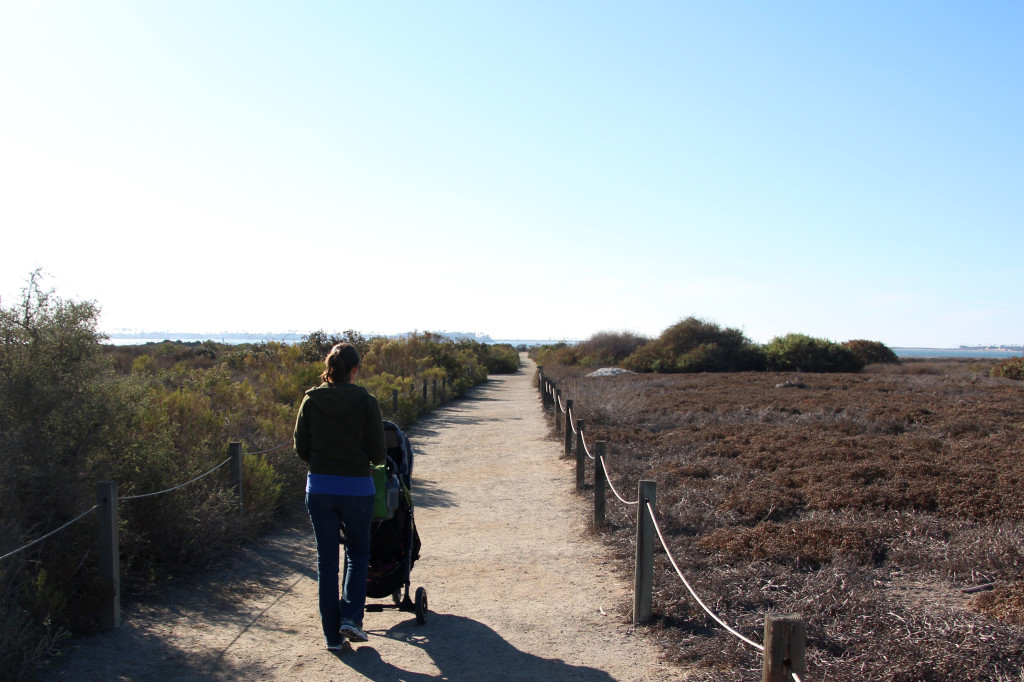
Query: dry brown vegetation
x=864 y=502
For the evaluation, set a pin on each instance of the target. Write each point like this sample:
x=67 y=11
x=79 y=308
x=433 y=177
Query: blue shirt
x=326 y=484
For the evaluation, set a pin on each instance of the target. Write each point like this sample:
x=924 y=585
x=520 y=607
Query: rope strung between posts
x=661 y=537
x=583 y=439
x=276 y=447
x=687 y=583
x=616 y=492
x=135 y=497
x=161 y=492
x=52 y=532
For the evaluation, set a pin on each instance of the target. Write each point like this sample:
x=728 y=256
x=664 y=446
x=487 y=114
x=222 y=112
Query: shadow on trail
x=462 y=649
x=234 y=598
x=428 y=494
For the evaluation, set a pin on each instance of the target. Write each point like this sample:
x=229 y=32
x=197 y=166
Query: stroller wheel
x=421 y=605
x=396 y=596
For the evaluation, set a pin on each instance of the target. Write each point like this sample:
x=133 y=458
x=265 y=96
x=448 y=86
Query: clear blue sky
x=522 y=169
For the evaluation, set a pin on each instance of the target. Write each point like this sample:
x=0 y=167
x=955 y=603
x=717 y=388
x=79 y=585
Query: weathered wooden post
x=394 y=403
x=109 y=556
x=235 y=453
x=600 y=481
x=424 y=391
x=784 y=641
x=568 y=427
x=435 y=390
x=643 y=588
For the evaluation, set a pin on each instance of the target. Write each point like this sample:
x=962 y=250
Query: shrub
x=872 y=352
x=500 y=358
x=151 y=417
x=799 y=352
x=607 y=348
x=560 y=353
x=1011 y=368
x=695 y=345
x=318 y=344
x=63 y=419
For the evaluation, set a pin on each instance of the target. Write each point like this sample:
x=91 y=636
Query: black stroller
x=394 y=543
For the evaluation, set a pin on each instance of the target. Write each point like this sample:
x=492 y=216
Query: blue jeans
x=332 y=515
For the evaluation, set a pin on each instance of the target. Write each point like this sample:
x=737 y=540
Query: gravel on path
x=517 y=590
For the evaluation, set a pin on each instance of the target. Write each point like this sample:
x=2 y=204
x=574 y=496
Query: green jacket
x=339 y=430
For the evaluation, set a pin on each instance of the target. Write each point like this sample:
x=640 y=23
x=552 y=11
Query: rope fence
x=108 y=499
x=109 y=610
x=53 y=532
x=784 y=635
x=285 y=444
x=180 y=485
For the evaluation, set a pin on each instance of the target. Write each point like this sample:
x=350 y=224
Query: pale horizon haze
x=527 y=170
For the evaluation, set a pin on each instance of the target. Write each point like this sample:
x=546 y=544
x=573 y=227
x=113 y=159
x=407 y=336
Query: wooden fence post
x=394 y=403
x=784 y=642
x=424 y=391
x=435 y=390
x=643 y=588
x=235 y=453
x=109 y=556
x=568 y=427
x=600 y=481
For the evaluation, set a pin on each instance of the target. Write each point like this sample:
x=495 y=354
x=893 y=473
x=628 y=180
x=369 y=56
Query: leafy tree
x=62 y=417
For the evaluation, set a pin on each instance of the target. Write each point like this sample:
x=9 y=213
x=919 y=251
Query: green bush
x=872 y=352
x=607 y=348
x=1011 y=368
x=560 y=353
x=799 y=352
x=64 y=418
x=500 y=358
x=74 y=411
x=695 y=345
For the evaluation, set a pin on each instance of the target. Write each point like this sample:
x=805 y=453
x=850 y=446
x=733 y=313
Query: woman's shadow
x=463 y=649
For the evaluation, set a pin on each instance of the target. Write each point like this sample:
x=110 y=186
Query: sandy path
x=516 y=591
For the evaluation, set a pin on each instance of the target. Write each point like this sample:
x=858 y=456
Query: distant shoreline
x=234 y=338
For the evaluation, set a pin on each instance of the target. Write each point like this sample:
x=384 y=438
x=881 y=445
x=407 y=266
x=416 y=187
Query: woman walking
x=339 y=433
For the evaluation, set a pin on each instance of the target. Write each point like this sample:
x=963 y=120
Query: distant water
x=233 y=339
x=963 y=353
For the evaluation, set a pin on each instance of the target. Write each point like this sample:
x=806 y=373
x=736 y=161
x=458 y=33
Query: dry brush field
x=867 y=503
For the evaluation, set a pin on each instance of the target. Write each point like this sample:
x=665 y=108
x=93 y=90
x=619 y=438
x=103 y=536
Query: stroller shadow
x=463 y=649
x=427 y=493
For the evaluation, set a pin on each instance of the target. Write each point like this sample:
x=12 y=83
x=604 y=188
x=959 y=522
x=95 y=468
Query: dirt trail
x=516 y=591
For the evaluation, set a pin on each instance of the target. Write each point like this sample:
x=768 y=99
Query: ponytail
x=339 y=363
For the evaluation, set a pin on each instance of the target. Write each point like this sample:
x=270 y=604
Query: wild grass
x=864 y=502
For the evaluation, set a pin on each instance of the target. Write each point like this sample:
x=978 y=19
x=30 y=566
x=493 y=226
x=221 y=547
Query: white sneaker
x=353 y=632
